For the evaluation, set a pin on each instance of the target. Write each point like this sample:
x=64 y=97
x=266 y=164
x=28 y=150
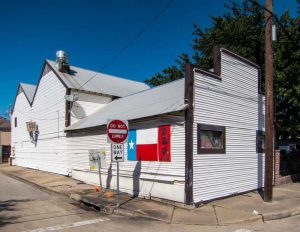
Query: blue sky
x=93 y=31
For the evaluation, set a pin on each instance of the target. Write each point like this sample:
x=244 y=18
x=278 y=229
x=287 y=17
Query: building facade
x=4 y=140
x=190 y=141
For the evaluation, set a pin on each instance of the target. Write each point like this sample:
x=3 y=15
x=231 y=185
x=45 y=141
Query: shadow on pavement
x=5 y=208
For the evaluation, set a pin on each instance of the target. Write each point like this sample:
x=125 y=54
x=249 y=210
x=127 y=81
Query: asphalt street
x=24 y=207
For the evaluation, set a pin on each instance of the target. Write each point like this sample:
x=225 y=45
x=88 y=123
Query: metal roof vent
x=62 y=60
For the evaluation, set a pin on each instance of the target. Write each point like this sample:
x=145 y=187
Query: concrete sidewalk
x=245 y=208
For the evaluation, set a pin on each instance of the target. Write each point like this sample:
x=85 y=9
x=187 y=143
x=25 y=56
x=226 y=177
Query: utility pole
x=269 y=118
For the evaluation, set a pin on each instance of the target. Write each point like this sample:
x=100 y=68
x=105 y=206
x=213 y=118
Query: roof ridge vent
x=62 y=60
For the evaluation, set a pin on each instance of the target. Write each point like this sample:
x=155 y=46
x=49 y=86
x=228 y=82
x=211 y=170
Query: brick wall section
x=278 y=179
x=277 y=167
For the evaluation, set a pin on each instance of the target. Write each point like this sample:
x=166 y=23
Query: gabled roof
x=87 y=80
x=28 y=90
x=160 y=100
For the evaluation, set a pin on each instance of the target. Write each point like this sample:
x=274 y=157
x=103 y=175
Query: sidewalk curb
x=252 y=219
x=281 y=215
x=136 y=214
x=112 y=209
x=40 y=187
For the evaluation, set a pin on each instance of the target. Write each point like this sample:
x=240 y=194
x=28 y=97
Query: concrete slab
x=204 y=215
x=150 y=209
x=245 y=202
x=103 y=202
x=284 y=198
x=227 y=216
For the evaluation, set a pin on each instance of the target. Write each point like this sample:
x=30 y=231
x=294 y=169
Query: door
x=5 y=153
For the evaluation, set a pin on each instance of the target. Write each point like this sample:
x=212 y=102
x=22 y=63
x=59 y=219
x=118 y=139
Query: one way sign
x=117 y=152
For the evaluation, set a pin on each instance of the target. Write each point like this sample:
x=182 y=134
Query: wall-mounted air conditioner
x=31 y=126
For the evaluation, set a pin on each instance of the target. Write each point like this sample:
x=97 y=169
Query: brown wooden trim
x=260 y=89
x=41 y=75
x=208 y=73
x=15 y=122
x=189 y=121
x=19 y=87
x=24 y=94
x=67 y=109
x=57 y=74
x=238 y=57
x=217 y=65
x=95 y=93
x=210 y=127
x=217 y=60
x=12 y=109
x=211 y=150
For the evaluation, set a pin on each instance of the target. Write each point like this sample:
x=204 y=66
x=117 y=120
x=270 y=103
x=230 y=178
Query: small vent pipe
x=62 y=60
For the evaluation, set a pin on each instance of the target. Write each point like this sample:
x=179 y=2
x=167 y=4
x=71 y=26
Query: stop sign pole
x=117 y=134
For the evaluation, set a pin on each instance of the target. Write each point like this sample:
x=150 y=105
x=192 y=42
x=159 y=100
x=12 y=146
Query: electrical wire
x=122 y=50
x=47 y=108
x=138 y=35
x=36 y=118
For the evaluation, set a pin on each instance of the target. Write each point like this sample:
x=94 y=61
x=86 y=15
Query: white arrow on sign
x=117 y=152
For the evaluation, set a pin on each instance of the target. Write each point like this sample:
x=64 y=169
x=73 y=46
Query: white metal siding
x=232 y=102
x=17 y=133
x=86 y=105
x=171 y=173
x=48 y=111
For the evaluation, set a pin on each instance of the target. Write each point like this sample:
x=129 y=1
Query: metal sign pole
x=117 y=133
x=99 y=168
x=118 y=191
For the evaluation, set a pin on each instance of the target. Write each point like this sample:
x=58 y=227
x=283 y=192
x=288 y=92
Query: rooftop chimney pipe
x=62 y=60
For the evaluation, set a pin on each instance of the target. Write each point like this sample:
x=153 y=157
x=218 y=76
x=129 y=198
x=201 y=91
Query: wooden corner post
x=268 y=185
x=189 y=121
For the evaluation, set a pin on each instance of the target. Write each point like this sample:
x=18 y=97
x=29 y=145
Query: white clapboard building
x=190 y=141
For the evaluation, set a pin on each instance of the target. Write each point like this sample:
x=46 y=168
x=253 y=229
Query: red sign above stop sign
x=117 y=131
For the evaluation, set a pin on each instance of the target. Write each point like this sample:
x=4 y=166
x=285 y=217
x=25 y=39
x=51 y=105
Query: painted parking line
x=242 y=230
x=67 y=226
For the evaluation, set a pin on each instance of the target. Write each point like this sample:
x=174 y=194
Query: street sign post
x=117 y=134
x=117 y=152
x=117 y=131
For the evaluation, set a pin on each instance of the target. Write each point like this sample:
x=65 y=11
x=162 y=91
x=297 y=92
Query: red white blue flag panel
x=153 y=144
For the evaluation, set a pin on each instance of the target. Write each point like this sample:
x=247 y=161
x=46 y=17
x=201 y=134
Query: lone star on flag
x=131 y=144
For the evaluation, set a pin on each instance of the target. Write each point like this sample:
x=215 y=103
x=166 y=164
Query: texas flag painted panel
x=152 y=144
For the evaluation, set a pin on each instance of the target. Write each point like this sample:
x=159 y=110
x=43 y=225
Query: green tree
x=241 y=30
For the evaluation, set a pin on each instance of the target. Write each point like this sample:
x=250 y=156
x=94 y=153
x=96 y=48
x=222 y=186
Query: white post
x=99 y=169
x=58 y=123
x=118 y=191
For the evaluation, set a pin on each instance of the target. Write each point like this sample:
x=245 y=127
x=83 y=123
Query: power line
x=45 y=109
x=138 y=35
x=36 y=118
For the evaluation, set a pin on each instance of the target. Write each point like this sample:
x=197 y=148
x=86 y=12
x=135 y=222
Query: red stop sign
x=117 y=131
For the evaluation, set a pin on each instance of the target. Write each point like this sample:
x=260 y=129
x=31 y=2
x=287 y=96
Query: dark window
x=211 y=139
x=260 y=141
x=16 y=122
